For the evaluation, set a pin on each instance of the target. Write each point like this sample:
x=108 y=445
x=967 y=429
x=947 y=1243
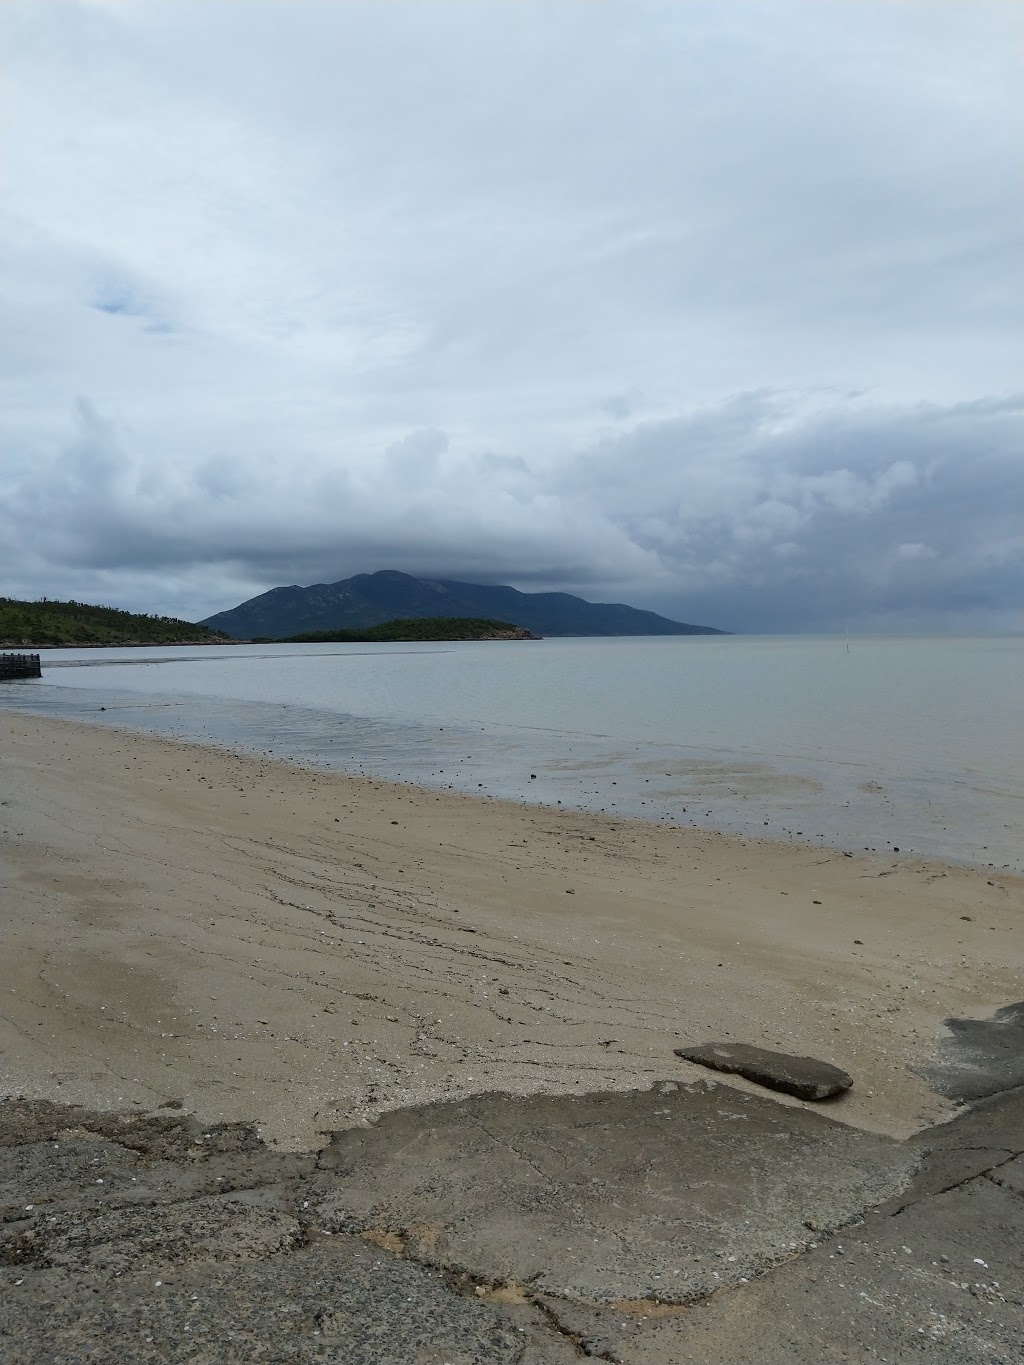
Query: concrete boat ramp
x=660 y=1227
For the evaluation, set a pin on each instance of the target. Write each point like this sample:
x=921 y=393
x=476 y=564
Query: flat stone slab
x=804 y=1077
x=668 y=1194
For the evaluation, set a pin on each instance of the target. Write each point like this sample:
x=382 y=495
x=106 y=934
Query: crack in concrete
x=577 y=1340
x=1007 y=1189
x=924 y=1194
x=509 y=1147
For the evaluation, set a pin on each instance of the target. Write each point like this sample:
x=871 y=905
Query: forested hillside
x=42 y=623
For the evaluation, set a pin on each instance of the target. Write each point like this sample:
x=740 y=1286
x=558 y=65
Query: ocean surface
x=914 y=744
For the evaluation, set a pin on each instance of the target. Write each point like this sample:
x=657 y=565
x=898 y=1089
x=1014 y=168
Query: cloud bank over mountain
x=711 y=309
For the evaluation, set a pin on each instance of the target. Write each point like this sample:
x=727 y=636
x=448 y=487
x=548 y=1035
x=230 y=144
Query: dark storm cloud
x=849 y=514
x=752 y=513
x=709 y=308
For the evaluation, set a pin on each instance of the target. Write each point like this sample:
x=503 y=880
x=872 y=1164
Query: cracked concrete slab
x=158 y=1239
x=940 y=1282
x=465 y=1233
x=668 y=1193
x=936 y=1275
x=995 y=1121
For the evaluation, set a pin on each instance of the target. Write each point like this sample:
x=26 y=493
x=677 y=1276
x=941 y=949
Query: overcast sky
x=708 y=307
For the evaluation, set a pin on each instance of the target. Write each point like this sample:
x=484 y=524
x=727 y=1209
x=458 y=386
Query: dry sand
x=308 y=950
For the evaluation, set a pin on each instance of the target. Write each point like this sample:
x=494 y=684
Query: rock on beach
x=804 y=1077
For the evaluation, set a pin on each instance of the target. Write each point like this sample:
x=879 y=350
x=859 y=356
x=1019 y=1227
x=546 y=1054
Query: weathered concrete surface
x=669 y=1193
x=936 y=1276
x=507 y=1230
x=877 y=1293
x=158 y=1240
x=344 y=1301
x=981 y=1056
x=1010 y=1175
x=984 y=1139
x=804 y=1077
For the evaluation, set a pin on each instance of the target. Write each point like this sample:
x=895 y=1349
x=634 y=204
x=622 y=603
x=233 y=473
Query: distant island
x=373 y=599
x=387 y=606
x=412 y=628
x=45 y=624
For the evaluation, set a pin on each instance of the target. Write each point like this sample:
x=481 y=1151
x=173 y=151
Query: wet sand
x=305 y=950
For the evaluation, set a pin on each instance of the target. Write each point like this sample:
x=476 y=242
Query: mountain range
x=370 y=598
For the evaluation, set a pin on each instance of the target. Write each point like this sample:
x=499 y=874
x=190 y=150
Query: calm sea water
x=882 y=743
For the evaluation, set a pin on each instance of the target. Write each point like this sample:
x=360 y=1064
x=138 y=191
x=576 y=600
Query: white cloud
x=914 y=549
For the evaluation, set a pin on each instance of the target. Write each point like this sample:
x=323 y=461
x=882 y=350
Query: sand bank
x=307 y=950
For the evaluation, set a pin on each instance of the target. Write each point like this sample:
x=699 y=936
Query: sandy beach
x=306 y=951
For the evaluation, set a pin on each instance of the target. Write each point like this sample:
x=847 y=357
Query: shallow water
x=910 y=743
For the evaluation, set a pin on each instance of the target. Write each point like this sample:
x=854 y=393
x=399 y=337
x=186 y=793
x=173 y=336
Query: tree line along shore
x=48 y=624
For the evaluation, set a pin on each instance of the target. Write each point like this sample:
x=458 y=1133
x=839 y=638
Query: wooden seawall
x=17 y=666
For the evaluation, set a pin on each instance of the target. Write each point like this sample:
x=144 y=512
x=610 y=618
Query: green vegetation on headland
x=416 y=628
x=45 y=624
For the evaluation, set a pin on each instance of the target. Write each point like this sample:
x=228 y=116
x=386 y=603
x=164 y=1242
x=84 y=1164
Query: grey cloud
x=811 y=513
x=752 y=514
x=415 y=457
x=701 y=307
